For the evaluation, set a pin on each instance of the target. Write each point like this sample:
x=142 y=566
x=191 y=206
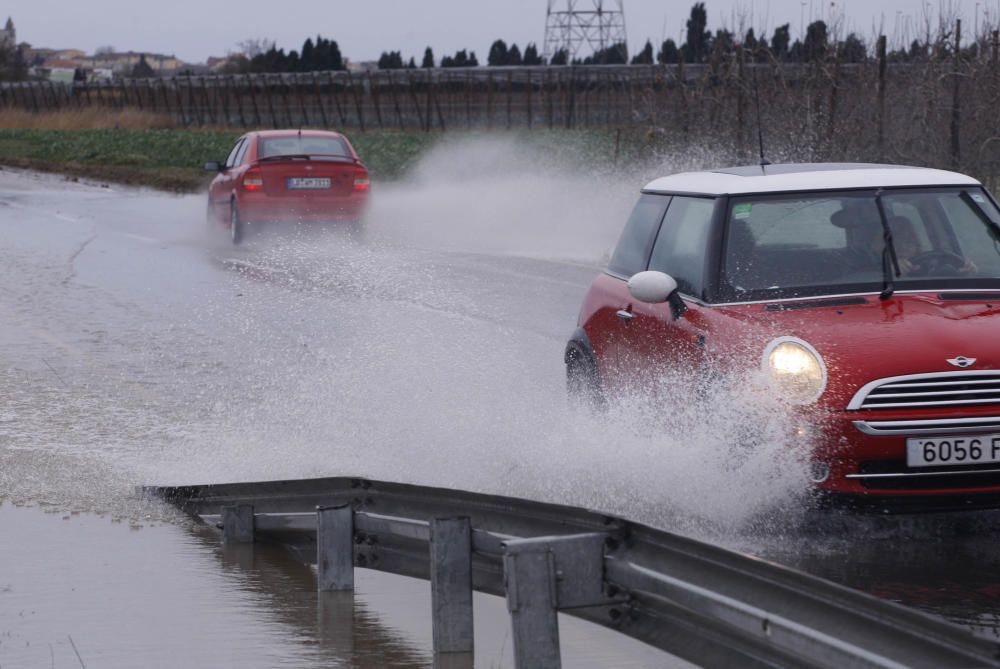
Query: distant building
x=363 y=66
x=122 y=63
x=215 y=64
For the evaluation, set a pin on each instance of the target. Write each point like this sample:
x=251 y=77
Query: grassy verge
x=171 y=158
x=145 y=150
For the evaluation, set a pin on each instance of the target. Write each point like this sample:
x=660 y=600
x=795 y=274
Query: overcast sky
x=196 y=29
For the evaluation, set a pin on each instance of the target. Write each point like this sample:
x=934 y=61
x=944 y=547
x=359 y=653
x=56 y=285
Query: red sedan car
x=287 y=176
x=867 y=296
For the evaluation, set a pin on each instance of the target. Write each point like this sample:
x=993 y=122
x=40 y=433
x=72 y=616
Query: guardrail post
x=451 y=585
x=543 y=576
x=237 y=524
x=335 y=548
x=530 y=581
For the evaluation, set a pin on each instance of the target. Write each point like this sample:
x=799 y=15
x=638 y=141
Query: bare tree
x=255 y=46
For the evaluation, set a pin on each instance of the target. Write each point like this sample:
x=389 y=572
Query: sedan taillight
x=361 y=181
x=253 y=180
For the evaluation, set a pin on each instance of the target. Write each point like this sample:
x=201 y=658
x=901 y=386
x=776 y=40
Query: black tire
x=583 y=385
x=237 y=228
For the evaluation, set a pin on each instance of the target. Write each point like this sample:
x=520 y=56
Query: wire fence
x=939 y=111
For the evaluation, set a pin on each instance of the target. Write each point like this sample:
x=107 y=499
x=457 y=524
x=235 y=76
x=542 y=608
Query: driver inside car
x=915 y=261
x=866 y=244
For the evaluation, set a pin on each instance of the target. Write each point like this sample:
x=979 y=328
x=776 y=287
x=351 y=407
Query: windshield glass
x=304 y=145
x=833 y=243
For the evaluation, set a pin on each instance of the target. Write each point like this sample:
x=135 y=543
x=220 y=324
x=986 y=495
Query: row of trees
x=700 y=46
x=264 y=56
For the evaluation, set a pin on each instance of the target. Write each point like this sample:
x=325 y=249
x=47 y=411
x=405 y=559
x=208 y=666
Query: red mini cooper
x=287 y=175
x=868 y=296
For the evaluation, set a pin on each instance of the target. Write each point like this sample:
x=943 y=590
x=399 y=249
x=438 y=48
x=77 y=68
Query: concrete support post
x=451 y=585
x=530 y=581
x=237 y=524
x=335 y=548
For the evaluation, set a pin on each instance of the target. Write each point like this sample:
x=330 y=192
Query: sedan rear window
x=303 y=145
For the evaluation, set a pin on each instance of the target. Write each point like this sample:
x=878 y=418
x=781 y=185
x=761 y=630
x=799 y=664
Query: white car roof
x=804 y=177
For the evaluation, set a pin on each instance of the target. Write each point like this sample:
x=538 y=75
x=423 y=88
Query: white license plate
x=955 y=450
x=308 y=183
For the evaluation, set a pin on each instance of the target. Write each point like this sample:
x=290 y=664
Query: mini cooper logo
x=962 y=361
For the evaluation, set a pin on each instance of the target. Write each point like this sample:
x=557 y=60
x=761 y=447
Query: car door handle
x=625 y=315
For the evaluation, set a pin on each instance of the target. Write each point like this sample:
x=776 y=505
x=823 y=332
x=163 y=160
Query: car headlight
x=796 y=368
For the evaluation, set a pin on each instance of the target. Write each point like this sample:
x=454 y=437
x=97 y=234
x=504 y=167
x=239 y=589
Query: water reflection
x=943 y=564
x=342 y=629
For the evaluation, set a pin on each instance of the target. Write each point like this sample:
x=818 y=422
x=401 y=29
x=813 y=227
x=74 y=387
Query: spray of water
x=429 y=350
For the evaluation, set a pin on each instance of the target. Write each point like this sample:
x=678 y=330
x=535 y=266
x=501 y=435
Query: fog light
x=818 y=471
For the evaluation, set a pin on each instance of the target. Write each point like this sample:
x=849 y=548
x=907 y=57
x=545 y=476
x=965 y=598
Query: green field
x=171 y=159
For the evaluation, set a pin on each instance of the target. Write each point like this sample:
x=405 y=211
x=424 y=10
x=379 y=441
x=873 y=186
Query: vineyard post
x=34 y=99
x=270 y=100
x=437 y=96
x=956 y=111
x=163 y=94
x=336 y=100
x=547 y=95
x=741 y=102
x=252 y=87
x=319 y=101
x=238 y=99
x=468 y=98
x=395 y=100
x=286 y=88
x=302 y=98
x=357 y=101
x=209 y=112
x=489 y=100
x=996 y=50
x=376 y=103
x=880 y=106
x=530 y=87
x=510 y=97
x=137 y=94
x=223 y=89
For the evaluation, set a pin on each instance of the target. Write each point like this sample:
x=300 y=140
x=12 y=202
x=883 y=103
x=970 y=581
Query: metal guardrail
x=705 y=604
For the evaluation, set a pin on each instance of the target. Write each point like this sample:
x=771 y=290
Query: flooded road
x=140 y=347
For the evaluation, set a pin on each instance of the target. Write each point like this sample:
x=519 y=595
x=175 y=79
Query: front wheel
x=582 y=383
x=237 y=228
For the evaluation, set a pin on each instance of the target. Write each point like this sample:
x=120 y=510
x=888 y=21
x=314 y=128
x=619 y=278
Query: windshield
x=303 y=145
x=833 y=243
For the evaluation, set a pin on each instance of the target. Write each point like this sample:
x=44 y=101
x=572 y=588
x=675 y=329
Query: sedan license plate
x=308 y=183
x=938 y=451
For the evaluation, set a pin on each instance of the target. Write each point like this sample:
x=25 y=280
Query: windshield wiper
x=889 y=260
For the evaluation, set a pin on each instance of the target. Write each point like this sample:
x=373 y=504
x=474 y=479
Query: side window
x=242 y=153
x=681 y=246
x=231 y=160
x=633 y=247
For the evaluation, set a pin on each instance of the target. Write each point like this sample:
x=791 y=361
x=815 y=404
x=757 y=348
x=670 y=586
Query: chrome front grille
x=940 y=389
x=935 y=426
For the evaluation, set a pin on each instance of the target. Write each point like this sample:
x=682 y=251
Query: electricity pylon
x=571 y=25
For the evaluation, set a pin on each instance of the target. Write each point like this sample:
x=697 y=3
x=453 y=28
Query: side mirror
x=656 y=287
x=652 y=287
x=213 y=166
